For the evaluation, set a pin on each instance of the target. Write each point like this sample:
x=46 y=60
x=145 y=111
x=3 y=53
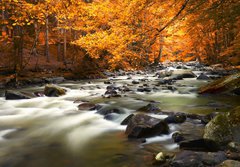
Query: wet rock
x=176 y=118
x=88 y=106
x=207 y=118
x=127 y=119
x=233 y=155
x=111 y=116
x=224 y=128
x=162 y=158
x=150 y=108
x=203 y=76
x=229 y=163
x=125 y=89
x=14 y=95
x=199 y=145
x=177 y=137
x=105 y=111
x=142 y=89
x=234 y=147
x=135 y=82
x=165 y=81
x=183 y=74
x=198 y=159
x=145 y=126
x=107 y=82
x=53 y=91
x=228 y=84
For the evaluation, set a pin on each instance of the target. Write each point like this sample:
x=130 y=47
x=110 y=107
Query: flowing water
x=52 y=132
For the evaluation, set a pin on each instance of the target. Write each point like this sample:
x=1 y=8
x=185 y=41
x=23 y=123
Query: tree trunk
x=18 y=50
x=158 y=58
x=34 y=47
x=47 y=40
x=65 y=46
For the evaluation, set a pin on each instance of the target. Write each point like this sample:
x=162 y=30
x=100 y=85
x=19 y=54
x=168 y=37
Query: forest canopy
x=119 y=34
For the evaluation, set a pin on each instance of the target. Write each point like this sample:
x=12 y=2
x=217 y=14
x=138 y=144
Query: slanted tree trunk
x=47 y=39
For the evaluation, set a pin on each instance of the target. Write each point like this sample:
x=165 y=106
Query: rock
x=107 y=82
x=161 y=158
x=105 y=111
x=229 y=163
x=203 y=76
x=145 y=126
x=207 y=118
x=228 y=84
x=177 y=74
x=111 y=116
x=127 y=119
x=176 y=118
x=199 y=145
x=150 y=108
x=224 y=128
x=135 y=82
x=14 y=95
x=177 y=137
x=88 y=106
x=234 y=147
x=197 y=159
x=233 y=155
x=53 y=91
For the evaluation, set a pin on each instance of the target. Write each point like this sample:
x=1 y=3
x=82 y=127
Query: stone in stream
x=106 y=111
x=177 y=137
x=176 y=118
x=150 y=108
x=203 y=76
x=197 y=159
x=141 y=125
x=14 y=95
x=162 y=159
x=53 y=91
x=88 y=106
x=234 y=147
x=228 y=84
x=135 y=82
x=229 y=163
x=178 y=74
x=224 y=128
x=199 y=145
x=127 y=119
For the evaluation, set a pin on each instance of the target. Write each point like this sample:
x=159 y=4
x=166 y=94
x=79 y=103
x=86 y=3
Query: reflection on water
x=52 y=132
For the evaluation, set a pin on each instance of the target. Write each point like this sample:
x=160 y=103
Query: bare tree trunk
x=18 y=50
x=35 y=43
x=158 y=58
x=65 y=46
x=47 y=39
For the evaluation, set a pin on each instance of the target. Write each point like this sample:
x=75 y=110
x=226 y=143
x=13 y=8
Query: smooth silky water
x=52 y=132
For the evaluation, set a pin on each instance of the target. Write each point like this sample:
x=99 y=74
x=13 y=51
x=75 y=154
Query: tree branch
x=175 y=17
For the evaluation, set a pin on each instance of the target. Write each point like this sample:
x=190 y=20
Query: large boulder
x=229 y=163
x=228 y=84
x=198 y=159
x=14 y=95
x=179 y=74
x=224 y=128
x=142 y=125
x=53 y=90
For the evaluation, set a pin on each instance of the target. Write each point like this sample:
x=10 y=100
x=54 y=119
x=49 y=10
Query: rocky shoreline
x=217 y=145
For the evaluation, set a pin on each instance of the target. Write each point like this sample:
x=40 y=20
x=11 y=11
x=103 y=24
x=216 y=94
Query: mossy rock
x=226 y=84
x=224 y=128
x=53 y=91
